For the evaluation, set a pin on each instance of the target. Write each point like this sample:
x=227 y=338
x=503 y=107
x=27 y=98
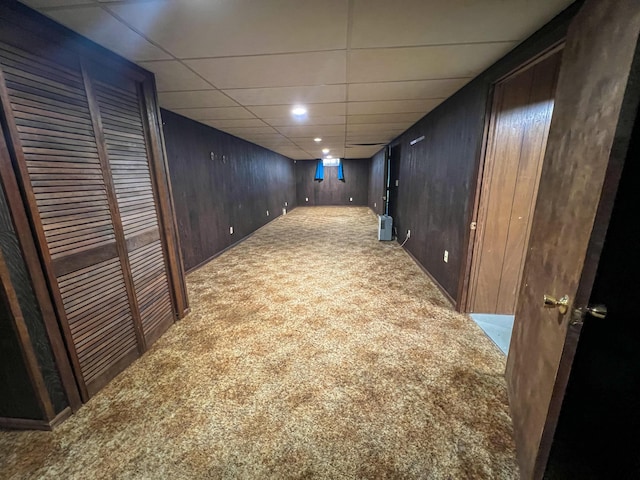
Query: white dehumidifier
x=385 y=227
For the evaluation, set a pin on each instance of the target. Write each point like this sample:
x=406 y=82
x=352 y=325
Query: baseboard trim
x=61 y=417
x=235 y=244
x=431 y=277
x=23 y=424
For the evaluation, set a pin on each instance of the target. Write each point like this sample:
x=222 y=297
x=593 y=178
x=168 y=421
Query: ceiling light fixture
x=299 y=110
x=329 y=157
x=325 y=150
x=317 y=139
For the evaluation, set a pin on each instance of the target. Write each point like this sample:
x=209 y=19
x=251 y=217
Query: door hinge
x=474 y=225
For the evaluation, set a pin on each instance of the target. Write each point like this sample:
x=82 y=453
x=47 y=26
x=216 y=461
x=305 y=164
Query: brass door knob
x=597 y=311
x=562 y=304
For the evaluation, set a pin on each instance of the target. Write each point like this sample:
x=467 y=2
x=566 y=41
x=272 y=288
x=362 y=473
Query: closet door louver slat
x=54 y=139
x=124 y=133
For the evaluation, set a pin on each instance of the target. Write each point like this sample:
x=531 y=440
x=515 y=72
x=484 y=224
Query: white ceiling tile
x=381 y=23
x=392 y=106
x=223 y=113
x=235 y=123
x=415 y=89
x=357 y=139
x=313 y=110
x=54 y=3
x=268 y=55
x=241 y=131
x=314 y=68
x=98 y=25
x=312 y=131
x=292 y=122
x=327 y=142
x=214 y=28
x=289 y=95
x=294 y=153
x=268 y=137
x=195 y=99
x=377 y=127
x=335 y=152
x=361 y=152
x=273 y=141
x=171 y=75
x=384 y=118
x=421 y=63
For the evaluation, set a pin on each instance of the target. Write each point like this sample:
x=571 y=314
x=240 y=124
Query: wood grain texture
x=159 y=168
x=10 y=299
x=604 y=383
x=236 y=188
x=522 y=108
x=439 y=174
x=589 y=136
x=19 y=398
x=332 y=191
x=27 y=281
x=377 y=189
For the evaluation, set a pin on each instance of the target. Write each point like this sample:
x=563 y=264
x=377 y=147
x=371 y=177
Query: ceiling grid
x=366 y=70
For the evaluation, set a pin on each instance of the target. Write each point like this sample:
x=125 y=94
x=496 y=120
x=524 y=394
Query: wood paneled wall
x=332 y=191
x=19 y=297
x=438 y=175
x=376 y=182
x=220 y=181
x=19 y=398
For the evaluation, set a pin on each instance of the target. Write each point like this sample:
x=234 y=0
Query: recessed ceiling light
x=329 y=157
x=325 y=150
x=299 y=110
x=317 y=139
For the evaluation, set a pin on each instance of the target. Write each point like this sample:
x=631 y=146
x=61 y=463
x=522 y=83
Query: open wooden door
x=520 y=119
x=596 y=103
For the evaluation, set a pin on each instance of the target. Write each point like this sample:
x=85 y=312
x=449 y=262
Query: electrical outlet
x=446 y=256
x=375 y=204
x=267 y=213
x=284 y=211
x=306 y=199
x=408 y=233
x=351 y=199
x=230 y=230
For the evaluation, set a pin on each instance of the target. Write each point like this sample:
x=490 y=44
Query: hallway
x=312 y=350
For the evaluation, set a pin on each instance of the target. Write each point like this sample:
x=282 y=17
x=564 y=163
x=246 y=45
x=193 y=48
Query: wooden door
x=81 y=144
x=120 y=107
x=590 y=132
x=52 y=133
x=521 y=115
x=597 y=434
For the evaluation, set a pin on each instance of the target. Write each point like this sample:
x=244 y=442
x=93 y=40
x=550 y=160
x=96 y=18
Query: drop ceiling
x=366 y=70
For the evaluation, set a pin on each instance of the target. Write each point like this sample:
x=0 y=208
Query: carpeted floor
x=312 y=351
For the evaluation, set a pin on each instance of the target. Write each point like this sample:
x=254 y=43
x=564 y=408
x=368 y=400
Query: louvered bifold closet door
x=122 y=122
x=53 y=138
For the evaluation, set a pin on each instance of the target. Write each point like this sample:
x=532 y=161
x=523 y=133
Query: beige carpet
x=312 y=351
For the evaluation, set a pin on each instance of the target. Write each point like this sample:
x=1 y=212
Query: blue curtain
x=319 y=172
x=340 y=171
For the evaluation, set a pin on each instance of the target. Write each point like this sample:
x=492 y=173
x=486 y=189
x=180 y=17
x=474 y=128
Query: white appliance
x=385 y=227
